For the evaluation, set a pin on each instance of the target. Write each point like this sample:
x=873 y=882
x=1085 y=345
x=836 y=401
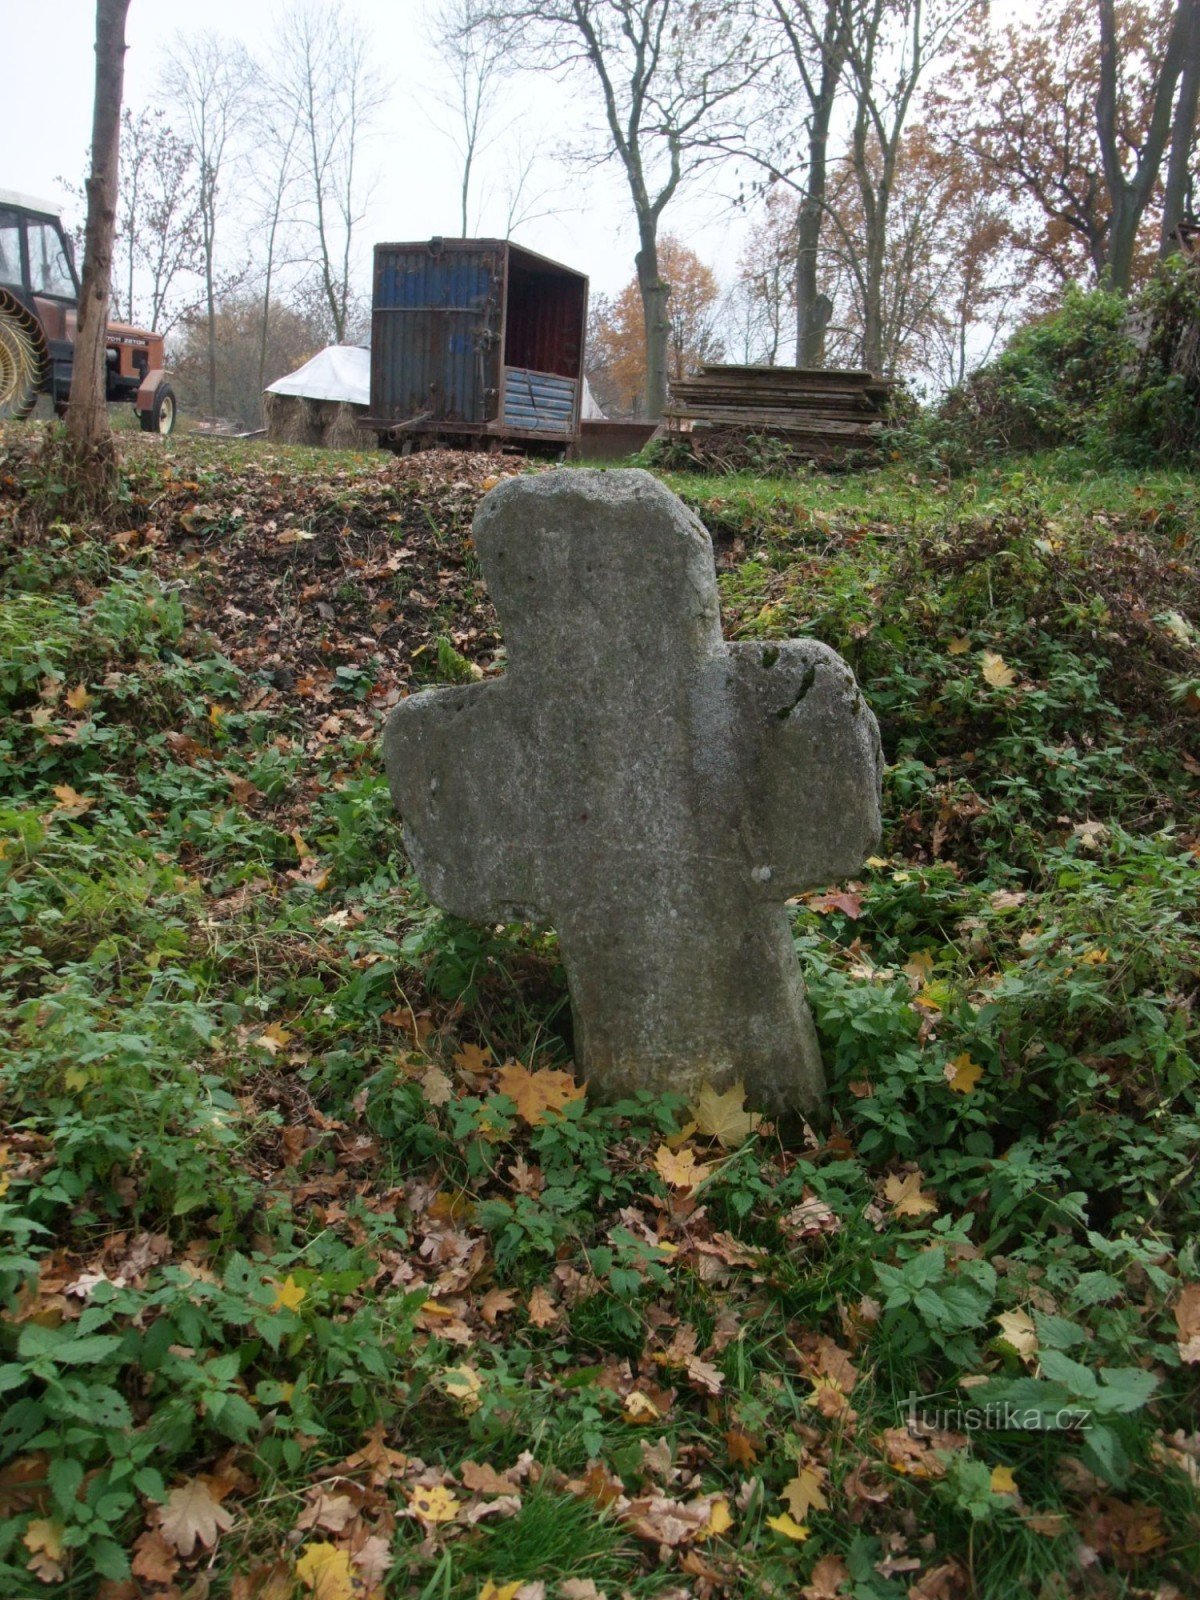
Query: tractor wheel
x=22 y=359
x=160 y=418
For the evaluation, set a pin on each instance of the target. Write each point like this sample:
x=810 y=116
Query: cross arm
x=450 y=757
x=812 y=760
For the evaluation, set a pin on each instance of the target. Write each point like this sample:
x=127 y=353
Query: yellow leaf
x=877 y=861
x=679 y=1168
x=719 y=1521
x=326 y=1572
x=499 y=1591
x=215 y=715
x=78 y=697
x=490 y=482
x=639 y=1407
x=962 y=1074
x=71 y=801
x=959 y=646
x=906 y=1197
x=1003 y=1480
x=1094 y=957
x=536 y=1093
x=723 y=1116
x=804 y=1493
x=788 y=1527
x=273 y=1038
x=919 y=966
x=996 y=672
x=43 y=1539
x=288 y=1294
x=463 y=1384
x=434 y=1505
x=1017 y=1330
x=302 y=849
x=473 y=1058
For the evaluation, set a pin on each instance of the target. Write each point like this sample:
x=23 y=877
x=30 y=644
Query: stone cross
x=650 y=791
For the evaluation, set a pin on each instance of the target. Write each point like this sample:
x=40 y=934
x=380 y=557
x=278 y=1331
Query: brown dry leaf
x=1017 y=1330
x=723 y=1116
x=827 y=1579
x=436 y=1087
x=271 y=1581
x=680 y=1168
x=480 y=1478
x=905 y=1196
x=740 y=1448
x=154 y=1561
x=804 y=1493
x=474 y=1058
x=1187 y=1320
x=543 y=1312
x=328 y=1511
x=43 y=1539
x=372 y=1560
x=536 y=1093
x=494 y=1304
x=193 y=1515
x=580 y=1589
x=996 y=672
x=919 y=967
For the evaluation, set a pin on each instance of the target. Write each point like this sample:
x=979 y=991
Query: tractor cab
x=39 y=300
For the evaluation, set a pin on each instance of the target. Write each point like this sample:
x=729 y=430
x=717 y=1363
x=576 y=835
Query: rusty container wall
x=436 y=331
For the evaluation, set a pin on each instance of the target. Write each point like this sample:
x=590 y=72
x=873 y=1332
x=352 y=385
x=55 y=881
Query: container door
x=436 y=332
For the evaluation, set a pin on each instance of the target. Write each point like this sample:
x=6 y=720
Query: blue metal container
x=476 y=342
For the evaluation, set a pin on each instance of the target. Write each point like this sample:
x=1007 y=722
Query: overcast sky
x=415 y=194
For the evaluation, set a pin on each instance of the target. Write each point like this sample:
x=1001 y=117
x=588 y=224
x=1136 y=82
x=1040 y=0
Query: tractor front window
x=49 y=269
x=10 y=248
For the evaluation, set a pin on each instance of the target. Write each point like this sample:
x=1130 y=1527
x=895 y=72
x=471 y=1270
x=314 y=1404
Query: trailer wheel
x=22 y=359
x=160 y=417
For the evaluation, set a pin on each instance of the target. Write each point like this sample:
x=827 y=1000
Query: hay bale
x=326 y=424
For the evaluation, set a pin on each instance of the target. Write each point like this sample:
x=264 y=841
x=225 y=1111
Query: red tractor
x=39 y=298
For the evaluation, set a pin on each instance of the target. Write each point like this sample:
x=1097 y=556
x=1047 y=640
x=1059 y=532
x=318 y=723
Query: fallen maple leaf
x=433 y=1505
x=679 y=1168
x=826 y=1580
x=905 y=1195
x=787 y=1525
x=536 y=1093
x=501 y=1591
x=326 y=1572
x=959 y=645
x=288 y=1296
x=962 y=1074
x=193 y=1515
x=720 y=1520
x=44 y=1541
x=484 y=1479
x=494 y=1304
x=723 y=1116
x=996 y=672
x=1003 y=1480
x=463 y=1384
x=804 y=1493
x=78 y=697
x=474 y=1058
x=850 y=905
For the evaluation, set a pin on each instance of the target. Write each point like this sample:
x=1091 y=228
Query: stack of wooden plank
x=813 y=411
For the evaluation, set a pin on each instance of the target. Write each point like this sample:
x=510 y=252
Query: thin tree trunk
x=1183 y=139
x=810 y=318
x=89 y=437
x=655 y=295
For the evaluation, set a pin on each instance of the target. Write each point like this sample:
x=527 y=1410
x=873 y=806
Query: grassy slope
x=271 y=1223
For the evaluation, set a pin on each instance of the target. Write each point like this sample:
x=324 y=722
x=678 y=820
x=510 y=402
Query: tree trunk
x=655 y=295
x=811 y=316
x=1183 y=138
x=89 y=437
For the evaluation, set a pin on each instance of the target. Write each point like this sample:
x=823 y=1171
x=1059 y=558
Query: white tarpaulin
x=339 y=372
x=590 y=411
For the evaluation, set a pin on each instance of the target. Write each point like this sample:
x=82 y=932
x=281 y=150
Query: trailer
x=475 y=343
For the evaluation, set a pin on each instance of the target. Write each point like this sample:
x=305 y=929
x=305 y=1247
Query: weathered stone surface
x=650 y=791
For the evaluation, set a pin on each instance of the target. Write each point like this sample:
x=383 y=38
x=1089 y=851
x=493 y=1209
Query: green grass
x=261 y=1189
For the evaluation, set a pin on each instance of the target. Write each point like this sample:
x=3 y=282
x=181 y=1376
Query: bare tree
x=325 y=82
x=474 y=57
x=666 y=73
x=209 y=78
x=276 y=173
x=89 y=437
x=158 y=219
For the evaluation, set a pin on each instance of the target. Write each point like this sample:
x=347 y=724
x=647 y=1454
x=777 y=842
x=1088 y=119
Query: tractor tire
x=23 y=359
x=160 y=418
